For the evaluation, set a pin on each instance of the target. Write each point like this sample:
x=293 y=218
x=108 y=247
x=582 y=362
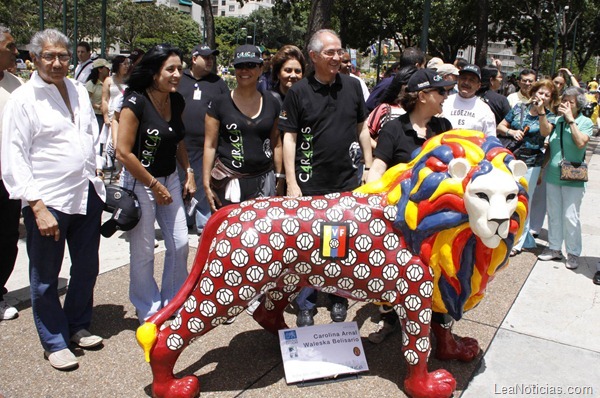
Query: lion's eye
x=483 y=196
x=511 y=197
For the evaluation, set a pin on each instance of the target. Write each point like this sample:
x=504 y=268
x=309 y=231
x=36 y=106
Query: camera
x=588 y=109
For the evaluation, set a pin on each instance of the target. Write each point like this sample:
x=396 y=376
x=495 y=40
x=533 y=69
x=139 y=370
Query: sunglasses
x=246 y=65
x=440 y=90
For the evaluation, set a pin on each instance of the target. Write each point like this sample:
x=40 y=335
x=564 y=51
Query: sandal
x=514 y=252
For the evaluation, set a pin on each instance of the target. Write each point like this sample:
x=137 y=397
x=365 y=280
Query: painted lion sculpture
x=426 y=238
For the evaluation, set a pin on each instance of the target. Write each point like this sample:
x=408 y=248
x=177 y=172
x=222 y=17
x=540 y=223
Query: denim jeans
x=10 y=211
x=143 y=289
x=538 y=206
x=526 y=239
x=55 y=324
x=564 y=223
x=202 y=213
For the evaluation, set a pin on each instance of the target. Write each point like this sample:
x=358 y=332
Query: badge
x=197 y=95
x=334 y=240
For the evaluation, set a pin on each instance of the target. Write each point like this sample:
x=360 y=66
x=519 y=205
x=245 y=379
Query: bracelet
x=571 y=122
x=367 y=168
x=279 y=175
x=153 y=182
x=190 y=170
x=507 y=134
x=542 y=114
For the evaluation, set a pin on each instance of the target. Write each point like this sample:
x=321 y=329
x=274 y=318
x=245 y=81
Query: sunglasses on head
x=440 y=90
x=246 y=65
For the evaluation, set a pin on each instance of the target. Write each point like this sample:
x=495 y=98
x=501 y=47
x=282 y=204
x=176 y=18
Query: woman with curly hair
x=150 y=141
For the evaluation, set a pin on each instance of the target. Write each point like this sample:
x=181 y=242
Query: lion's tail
x=147 y=333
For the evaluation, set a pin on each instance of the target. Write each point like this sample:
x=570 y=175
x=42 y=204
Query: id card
x=197 y=95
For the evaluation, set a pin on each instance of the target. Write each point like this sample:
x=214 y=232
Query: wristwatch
x=190 y=170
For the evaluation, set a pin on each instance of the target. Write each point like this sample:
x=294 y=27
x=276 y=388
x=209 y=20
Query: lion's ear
x=459 y=168
x=518 y=168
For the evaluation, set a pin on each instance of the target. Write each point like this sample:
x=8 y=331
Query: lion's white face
x=490 y=200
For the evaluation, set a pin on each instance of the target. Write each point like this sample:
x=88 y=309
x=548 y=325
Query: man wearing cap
x=199 y=86
x=10 y=209
x=84 y=67
x=135 y=57
x=448 y=72
x=467 y=111
x=322 y=119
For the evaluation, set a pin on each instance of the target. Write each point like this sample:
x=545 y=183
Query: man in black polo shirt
x=199 y=86
x=322 y=118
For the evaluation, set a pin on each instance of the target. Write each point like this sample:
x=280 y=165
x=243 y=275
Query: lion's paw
x=186 y=387
x=437 y=384
x=465 y=349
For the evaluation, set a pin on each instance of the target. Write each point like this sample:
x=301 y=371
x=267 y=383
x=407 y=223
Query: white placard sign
x=322 y=351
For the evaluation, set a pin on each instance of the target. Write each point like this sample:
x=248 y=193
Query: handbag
x=571 y=171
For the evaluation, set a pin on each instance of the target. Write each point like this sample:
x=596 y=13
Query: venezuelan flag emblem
x=334 y=240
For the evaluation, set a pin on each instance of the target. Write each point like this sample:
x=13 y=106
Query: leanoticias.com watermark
x=543 y=389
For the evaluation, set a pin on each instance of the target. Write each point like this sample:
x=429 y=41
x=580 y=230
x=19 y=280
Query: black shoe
x=305 y=318
x=597 y=278
x=339 y=312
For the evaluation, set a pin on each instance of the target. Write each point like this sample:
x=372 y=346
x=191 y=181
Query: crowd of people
x=188 y=146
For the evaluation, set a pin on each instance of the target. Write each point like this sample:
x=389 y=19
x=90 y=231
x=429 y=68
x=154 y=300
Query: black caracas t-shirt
x=325 y=120
x=157 y=137
x=198 y=94
x=245 y=143
x=398 y=140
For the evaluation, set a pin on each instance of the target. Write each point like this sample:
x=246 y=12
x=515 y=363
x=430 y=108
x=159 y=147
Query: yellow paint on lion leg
x=146 y=337
x=410 y=215
x=498 y=255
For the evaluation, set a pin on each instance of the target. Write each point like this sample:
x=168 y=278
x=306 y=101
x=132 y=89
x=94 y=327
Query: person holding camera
x=527 y=124
x=568 y=141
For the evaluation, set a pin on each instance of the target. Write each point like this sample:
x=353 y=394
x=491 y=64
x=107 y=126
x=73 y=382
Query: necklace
x=160 y=107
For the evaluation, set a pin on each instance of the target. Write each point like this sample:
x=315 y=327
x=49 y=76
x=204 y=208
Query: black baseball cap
x=426 y=78
x=204 y=50
x=470 y=68
x=247 y=53
x=125 y=209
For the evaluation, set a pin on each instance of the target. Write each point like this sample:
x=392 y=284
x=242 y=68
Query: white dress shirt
x=83 y=70
x=45 y=154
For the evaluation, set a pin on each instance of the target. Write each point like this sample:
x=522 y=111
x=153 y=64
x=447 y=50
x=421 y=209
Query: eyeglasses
x=48 y=57
x=440 y=90
x=246 y=65
x=332 y=53
x=527 y=81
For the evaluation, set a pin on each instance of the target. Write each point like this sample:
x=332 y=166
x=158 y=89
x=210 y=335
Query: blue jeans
x=564 y=223
x=526 y=239
x=55 y=324
x=143 y=289
x=202 y=213
x=538 y=206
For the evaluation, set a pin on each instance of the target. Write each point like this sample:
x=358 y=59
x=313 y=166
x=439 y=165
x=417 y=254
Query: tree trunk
x=482 y=34
x=209 y=22
x=536 y=38
x=320 y=17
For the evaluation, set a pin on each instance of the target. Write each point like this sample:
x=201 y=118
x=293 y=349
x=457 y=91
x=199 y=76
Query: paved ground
x=538 y=329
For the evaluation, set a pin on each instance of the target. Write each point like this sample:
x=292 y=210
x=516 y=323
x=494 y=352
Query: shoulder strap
x=83 y=66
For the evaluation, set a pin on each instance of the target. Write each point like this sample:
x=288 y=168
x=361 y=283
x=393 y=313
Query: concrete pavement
x=538 y=328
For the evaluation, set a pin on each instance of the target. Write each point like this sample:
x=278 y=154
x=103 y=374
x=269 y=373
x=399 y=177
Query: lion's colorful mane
x=433 y=220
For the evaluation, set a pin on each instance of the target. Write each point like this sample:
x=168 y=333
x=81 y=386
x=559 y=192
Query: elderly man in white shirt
x=49 y=163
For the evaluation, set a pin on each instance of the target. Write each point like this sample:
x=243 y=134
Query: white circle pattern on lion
x=234 y=230
x=363 y=243
x=208 y=308
x=329 y=289
x=195 y=325
x=290 y=226
x=348 y=202
x=402 y=286
x=316 y=259
x=290 y=255
x=391 y=241
x=319 y=204
x=334 y=243
x=268 y=286
x=334 y=214
x=359 y=294
x=413 y=328
x=390 y=213
x=353 y=228
x=305 y=213
x=333 y=195
x=275 y=213
x=390 y=296
x=224 y=296
x=176 y=324
x=303 y=268
x=363 y=213
x=240 y=258
x=414 y=273
x=234 y=212
x=361 y=271
x=332 y=270
x=275 y=269
x=215 y=268
x=377 y=227
x=255 y=274
x=390 y=272
x=277 y=241
x=291 y=280
x=426 y=289
x=223 y=226
x=422 y=344
x=263 y=254
x=411 y=357
x=375 y=285
x=412 y=302
x=190 y=304
x=316 y=226
x=316 y=280
x=262 y=204
x=377 y=258
x=247 y=293
x=263 y=225
x=403 y=257
x=223 y=248
x=425 y=316
x=290 y=203
x=174 y=342
x=346 y=283
x=206 y=288
x=305 y=241
x=249 y=238
x=350 y=258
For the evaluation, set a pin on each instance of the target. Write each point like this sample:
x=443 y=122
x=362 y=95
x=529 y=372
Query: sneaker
x=252 y=307
x=305 y=318
x=62 y=360
x=383 y=330
x=339 y=311
x=85 y=339
x=549 y=254
x=596 y=278
x=572 y=261
x=7 y=311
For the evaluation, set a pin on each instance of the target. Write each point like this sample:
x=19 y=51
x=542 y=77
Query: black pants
x=9 y=236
